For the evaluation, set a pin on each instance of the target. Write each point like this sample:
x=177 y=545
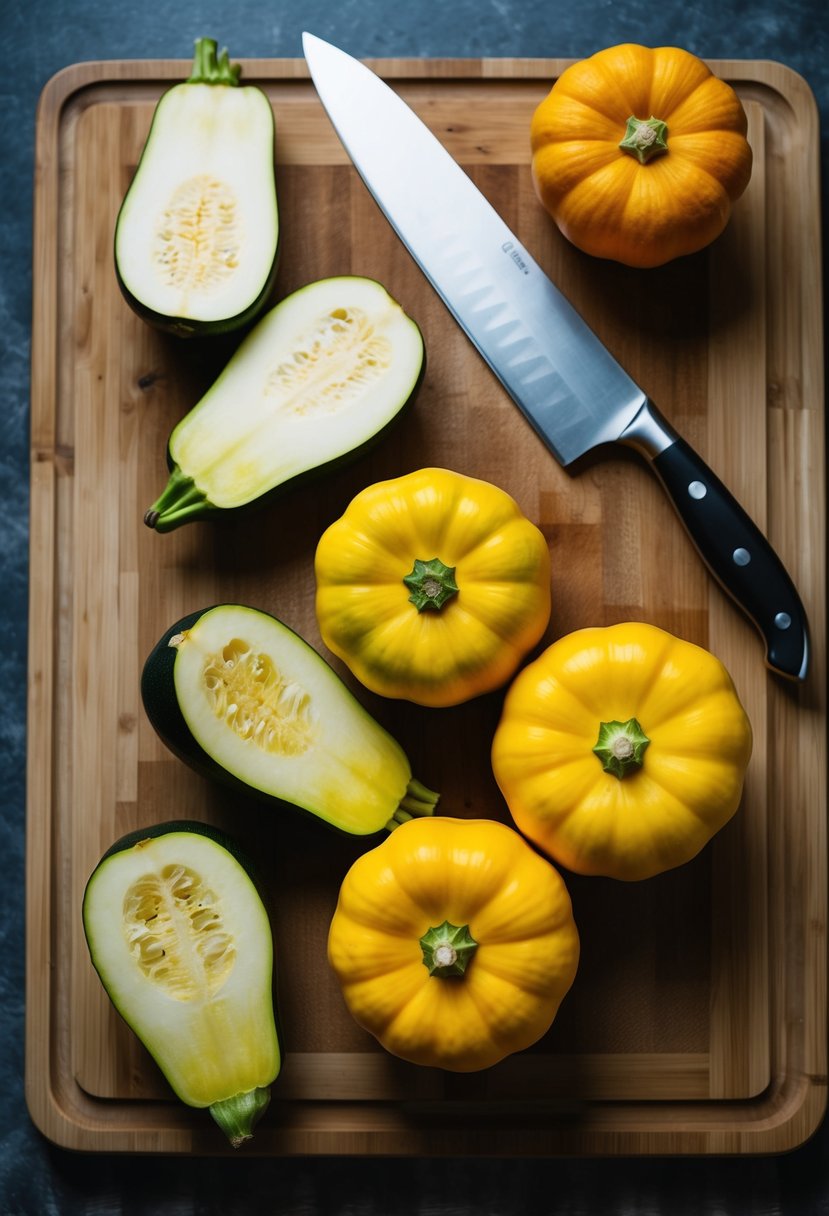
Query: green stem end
x=238 y=1115
x=447 y=949
x=417 y=802
x=210 y=68
x=621 y=747
x=645 y=138
x=180 y=501
x=431 y=584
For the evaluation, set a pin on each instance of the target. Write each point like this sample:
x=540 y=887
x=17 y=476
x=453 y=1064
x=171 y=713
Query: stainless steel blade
x=565 y=381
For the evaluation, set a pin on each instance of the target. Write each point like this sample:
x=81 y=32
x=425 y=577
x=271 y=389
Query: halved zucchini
x=243 y=699
x=182 y=943
x=317 y=380
x=197 y=236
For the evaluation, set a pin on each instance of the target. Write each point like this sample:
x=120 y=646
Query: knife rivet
x=782 y=620
x=741 y=557
x=697 y=490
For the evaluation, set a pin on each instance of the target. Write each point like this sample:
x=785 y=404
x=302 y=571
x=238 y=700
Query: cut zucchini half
x=243 y=699
x=197 y=236
x=182 y=943
x=318 y=380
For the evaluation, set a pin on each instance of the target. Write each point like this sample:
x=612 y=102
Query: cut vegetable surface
x=197 y=237
x=243 y=699
x=318 y=380
x=182 y=943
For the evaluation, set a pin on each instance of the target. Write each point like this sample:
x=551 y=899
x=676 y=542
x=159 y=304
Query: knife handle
x=730 y=543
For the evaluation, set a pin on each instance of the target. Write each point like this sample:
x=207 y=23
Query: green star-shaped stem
x=431 y=584
x=645 y=138
x=447 y=949
x=621 y=747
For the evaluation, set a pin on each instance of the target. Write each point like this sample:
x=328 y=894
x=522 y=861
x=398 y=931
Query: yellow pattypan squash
x=454 y=943
x=432 y=587
x=621 y=751
x=638 y=154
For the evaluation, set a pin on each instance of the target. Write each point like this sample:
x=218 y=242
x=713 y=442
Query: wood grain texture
x=697 y=1021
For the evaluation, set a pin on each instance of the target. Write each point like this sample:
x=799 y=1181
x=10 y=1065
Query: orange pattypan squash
x=638 y=154
x=454 y=943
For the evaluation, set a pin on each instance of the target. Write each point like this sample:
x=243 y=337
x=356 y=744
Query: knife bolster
x=649 y=433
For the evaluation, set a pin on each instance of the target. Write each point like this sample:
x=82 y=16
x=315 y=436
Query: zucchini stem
x=416 y=802
x=238 y=1115
x=180 y=500
x=210 y=68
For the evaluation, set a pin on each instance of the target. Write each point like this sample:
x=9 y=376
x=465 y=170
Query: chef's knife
x=566 y=383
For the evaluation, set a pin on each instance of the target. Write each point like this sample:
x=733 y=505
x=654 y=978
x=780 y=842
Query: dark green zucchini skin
x=158 y=693
x=205 y=511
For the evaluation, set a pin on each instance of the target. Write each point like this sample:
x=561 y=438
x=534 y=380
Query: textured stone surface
x=40 y=38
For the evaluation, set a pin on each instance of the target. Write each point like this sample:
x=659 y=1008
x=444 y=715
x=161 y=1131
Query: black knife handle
x=729 y=542
x=738 y=555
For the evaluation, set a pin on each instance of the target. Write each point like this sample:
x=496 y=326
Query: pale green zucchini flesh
x=182 y=943
x=318 y=379
x=197 y=236
x=241 y=697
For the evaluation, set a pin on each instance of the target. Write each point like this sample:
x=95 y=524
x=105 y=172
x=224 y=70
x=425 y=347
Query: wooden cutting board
x=697 y=1020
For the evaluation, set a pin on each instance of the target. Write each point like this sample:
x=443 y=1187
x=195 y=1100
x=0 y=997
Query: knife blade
x=567 y=384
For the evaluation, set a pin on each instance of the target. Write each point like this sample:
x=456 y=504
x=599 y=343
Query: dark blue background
x=37 y=39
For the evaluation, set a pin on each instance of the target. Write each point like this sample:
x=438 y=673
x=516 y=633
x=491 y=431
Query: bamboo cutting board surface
x=697 y=1020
